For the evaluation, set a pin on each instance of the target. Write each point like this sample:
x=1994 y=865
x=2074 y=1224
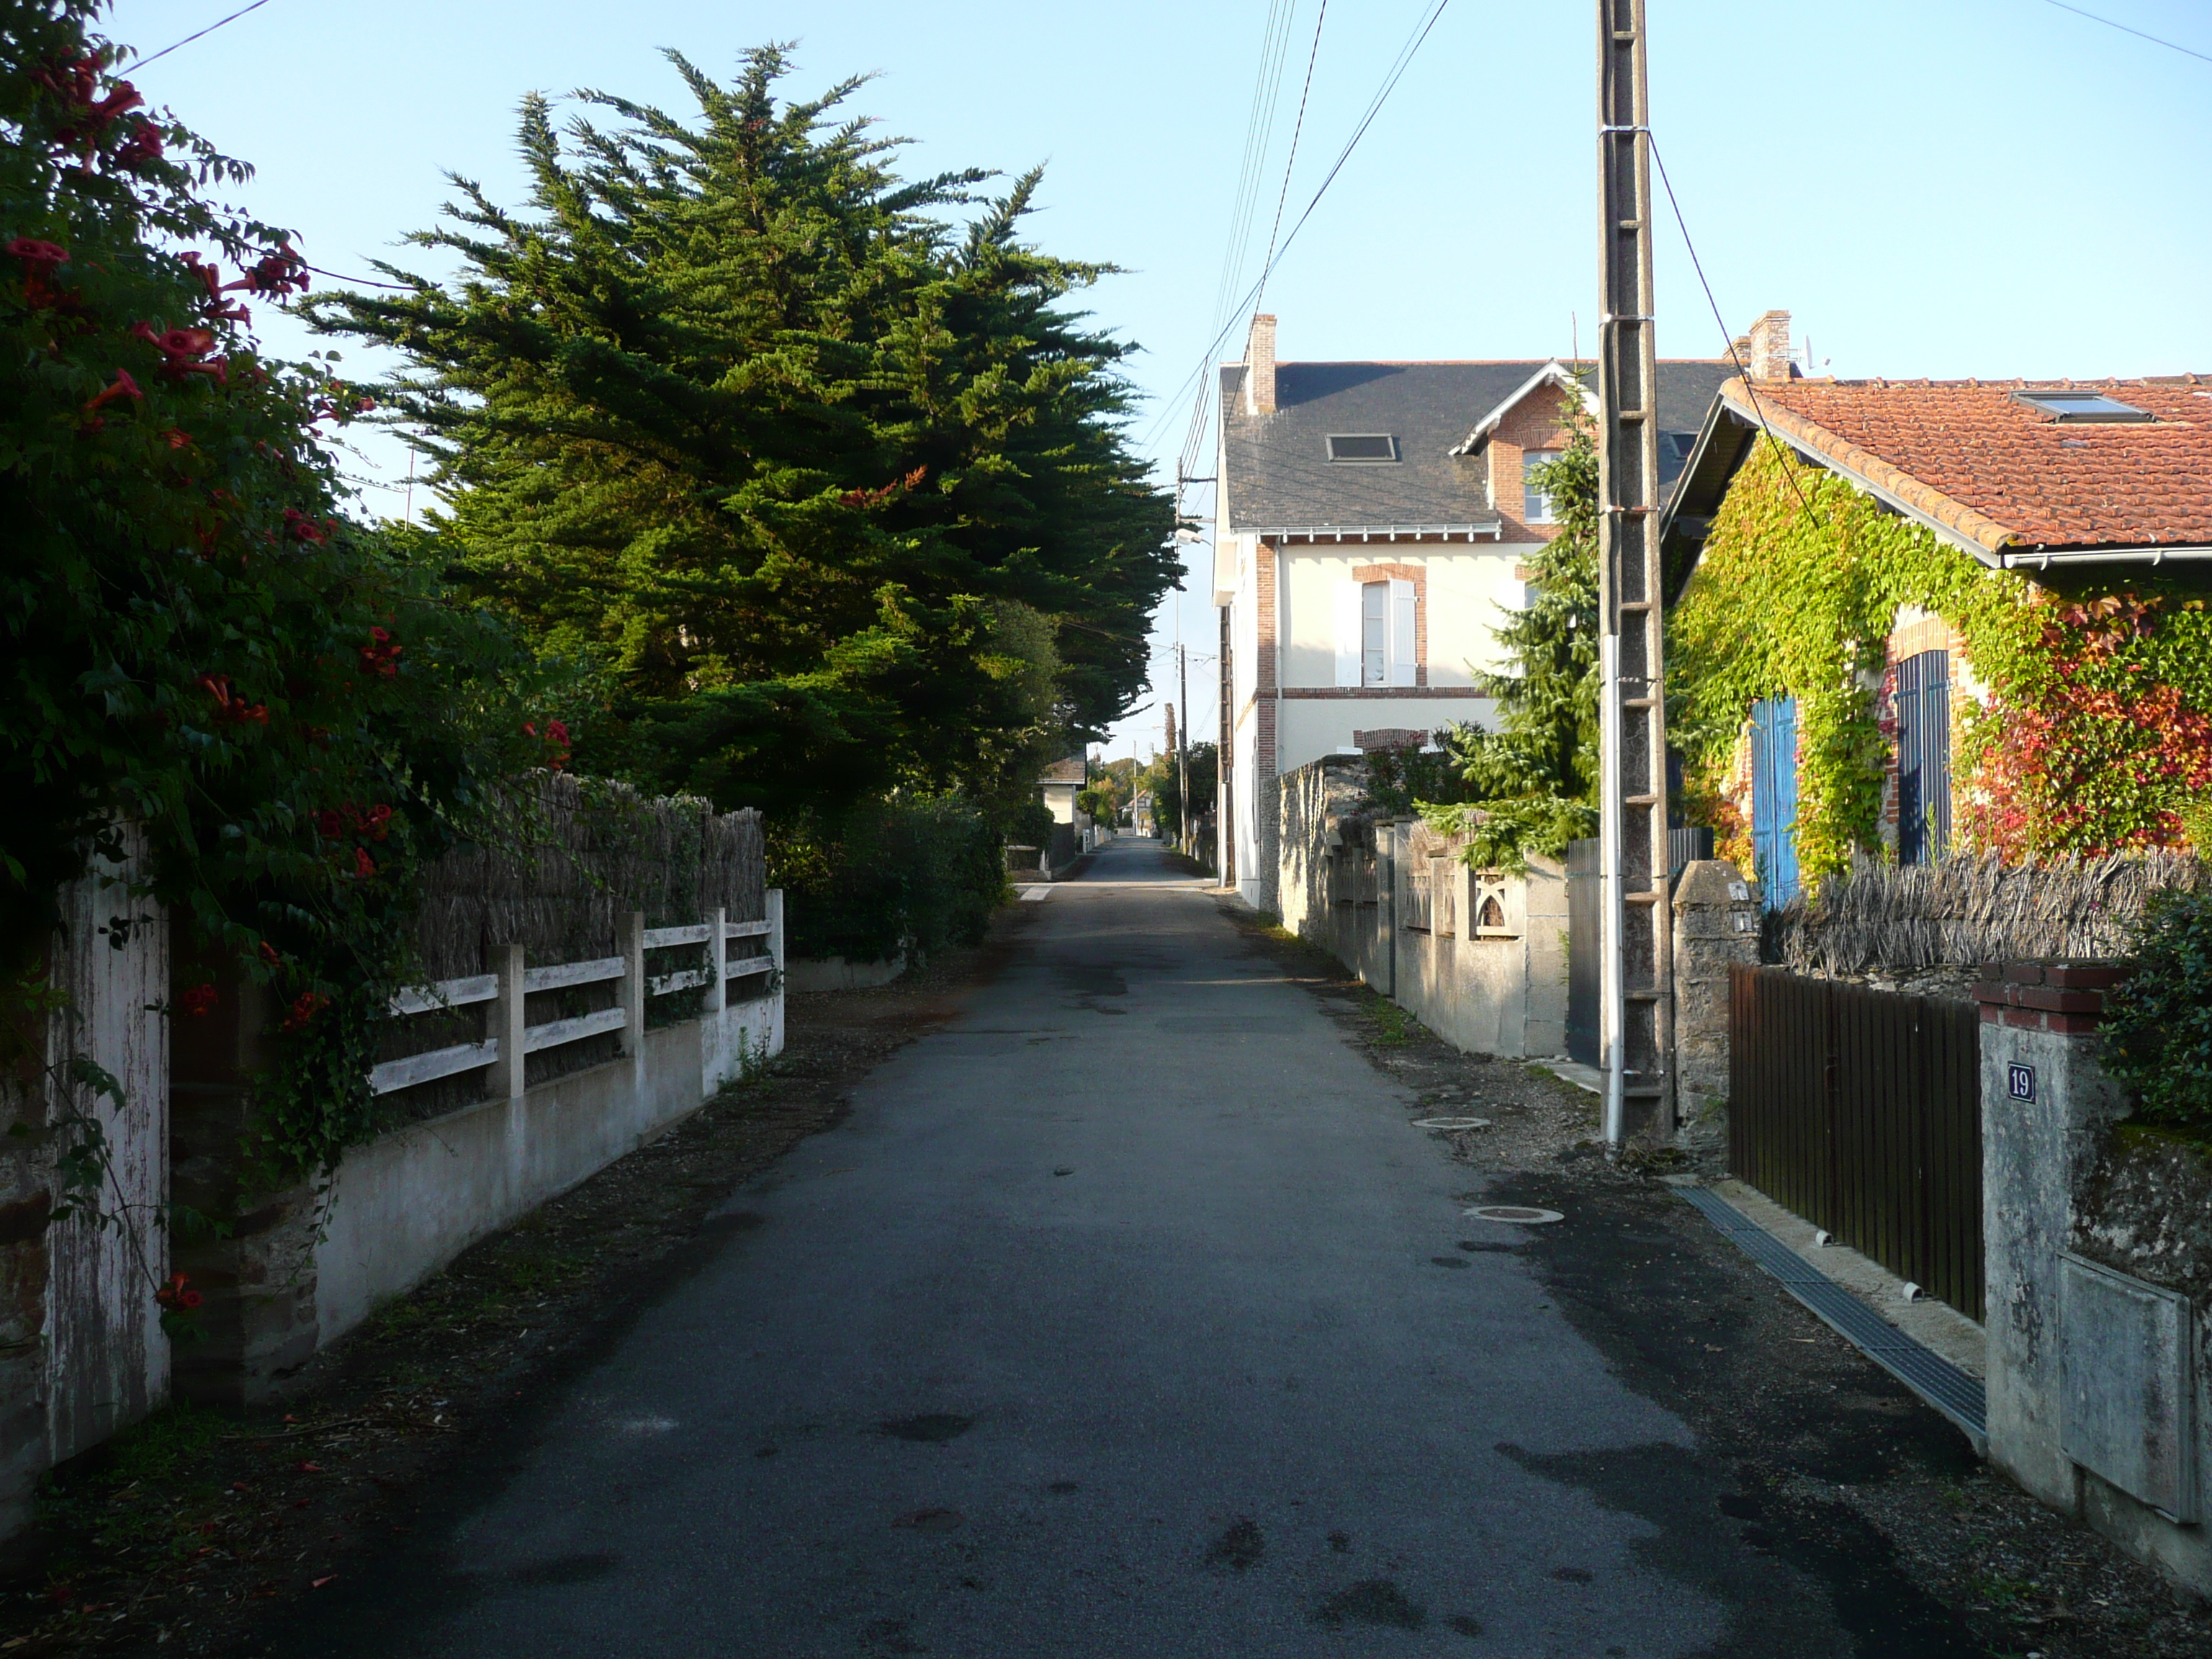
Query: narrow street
x=1055 y=1347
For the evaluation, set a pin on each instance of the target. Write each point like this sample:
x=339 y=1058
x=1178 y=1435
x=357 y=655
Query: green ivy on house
x=2090 y=736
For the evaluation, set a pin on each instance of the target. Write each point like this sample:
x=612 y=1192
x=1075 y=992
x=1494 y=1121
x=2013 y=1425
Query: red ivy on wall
x=2107 y=745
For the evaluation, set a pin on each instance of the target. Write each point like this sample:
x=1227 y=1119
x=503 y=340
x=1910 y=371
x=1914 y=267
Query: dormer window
x=1362 y=446
x=2083 y=407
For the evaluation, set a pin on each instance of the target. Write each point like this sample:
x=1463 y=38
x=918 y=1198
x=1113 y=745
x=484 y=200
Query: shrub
x=2158 y=1027
x=917 y=876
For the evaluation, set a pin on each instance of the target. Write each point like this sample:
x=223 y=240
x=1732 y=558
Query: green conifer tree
x=831 y=495
x=1531 y=786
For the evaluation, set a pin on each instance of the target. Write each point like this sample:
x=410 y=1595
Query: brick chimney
x=1770 y=347
x=1260 y=366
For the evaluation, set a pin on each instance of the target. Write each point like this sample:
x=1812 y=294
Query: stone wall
x=2100 y=1249
x=1716 y=926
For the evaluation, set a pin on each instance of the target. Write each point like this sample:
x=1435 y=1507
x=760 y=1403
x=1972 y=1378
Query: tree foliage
x=196 y=642
x=829 y=491
x=1531 y=786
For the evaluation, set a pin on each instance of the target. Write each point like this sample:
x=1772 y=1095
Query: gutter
x=1316 y=532
x=2045 y=558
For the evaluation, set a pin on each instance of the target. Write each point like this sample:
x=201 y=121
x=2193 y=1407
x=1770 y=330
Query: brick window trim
x=1365 y=574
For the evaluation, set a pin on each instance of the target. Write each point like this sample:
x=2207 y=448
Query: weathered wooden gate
x=1861 y=1110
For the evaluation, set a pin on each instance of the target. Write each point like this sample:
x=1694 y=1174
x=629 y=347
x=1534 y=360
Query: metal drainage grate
x=1452 y=1123
x=1519 y=1213
x=1928 y=1374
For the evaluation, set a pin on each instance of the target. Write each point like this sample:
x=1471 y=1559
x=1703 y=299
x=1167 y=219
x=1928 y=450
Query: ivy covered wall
x=2082 y=722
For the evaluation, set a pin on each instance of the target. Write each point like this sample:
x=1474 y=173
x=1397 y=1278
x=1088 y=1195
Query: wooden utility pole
x=1636 y=999
x=1184 y=834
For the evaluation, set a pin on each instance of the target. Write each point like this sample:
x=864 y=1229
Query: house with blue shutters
x=2066 y=526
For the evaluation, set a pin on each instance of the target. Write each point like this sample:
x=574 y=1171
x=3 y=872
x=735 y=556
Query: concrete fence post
x=633 y=985
x=718 y=963
x=775 y=912
x=509 y=1028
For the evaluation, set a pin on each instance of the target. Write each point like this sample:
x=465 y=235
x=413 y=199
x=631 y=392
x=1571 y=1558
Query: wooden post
x=774 y=908
x=633 y=985
x=508 y=1027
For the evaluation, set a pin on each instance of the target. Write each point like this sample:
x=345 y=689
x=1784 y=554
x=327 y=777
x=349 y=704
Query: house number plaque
x=2019 y=1082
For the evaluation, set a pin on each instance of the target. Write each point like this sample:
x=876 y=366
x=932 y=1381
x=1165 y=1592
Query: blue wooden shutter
x=1774 y=798
x=1923 y=757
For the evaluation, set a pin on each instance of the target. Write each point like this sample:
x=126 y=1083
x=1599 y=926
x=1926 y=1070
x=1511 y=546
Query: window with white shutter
x=1349 y=633
x=1405 y=639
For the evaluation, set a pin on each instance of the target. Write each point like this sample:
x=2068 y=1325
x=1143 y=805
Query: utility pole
x=1183 y=832
x=1636 y=991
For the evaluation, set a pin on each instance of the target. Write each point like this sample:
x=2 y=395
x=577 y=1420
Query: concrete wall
x=291 y=1275
x=81 y=1350
x=404 y=1206
x=835 y=973
x=2100 y=1258
x=1341 y=879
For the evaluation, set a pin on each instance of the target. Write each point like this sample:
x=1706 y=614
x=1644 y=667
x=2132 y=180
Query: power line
x=2124 y=29
x=1291 y=161
x=257 y=5
x=1698 y=266
x=1200 y=374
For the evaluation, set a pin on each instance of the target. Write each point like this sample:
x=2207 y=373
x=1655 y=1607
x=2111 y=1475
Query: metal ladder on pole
x=1637 y=959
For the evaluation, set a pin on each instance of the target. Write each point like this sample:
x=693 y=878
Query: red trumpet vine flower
x=197 y=1000
x=381 y=657
x=144 y=145
x=301 y=528
x=37 y=254
x=176 y=1295
x=304 y=1007
x=363 y=866
x=125 y=386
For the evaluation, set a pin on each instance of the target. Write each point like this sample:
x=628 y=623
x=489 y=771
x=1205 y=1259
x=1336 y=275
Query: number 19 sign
x=2019 y=1082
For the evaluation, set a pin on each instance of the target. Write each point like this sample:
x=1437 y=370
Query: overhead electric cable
x=1291 y=161
x=141 y=62
x=1698 y=266
x=2124 y=29
x=1201 y=374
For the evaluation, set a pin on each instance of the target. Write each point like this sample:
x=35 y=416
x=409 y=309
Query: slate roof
x=1277 y=472
x=1998 y=472
x=1071 y=770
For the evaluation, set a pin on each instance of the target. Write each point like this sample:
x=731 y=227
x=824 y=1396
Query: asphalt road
x=1125 y=1316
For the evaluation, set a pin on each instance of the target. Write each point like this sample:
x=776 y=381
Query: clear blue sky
x=1933 y=187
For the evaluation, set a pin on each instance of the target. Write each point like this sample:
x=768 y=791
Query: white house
x=1372 y=527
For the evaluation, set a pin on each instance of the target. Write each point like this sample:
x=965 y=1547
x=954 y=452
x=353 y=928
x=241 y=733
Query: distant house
x=2004 y=594
x=1373 y=525
x=1062 y=782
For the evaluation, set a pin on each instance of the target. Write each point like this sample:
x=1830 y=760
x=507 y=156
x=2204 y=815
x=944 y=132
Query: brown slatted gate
x=1861 y=1110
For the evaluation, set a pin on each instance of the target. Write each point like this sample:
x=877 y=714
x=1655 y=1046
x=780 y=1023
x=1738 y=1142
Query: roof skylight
x=1362 y=446
x=2083 y=406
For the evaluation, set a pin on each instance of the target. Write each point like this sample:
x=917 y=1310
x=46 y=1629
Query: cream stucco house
x=1372 y=527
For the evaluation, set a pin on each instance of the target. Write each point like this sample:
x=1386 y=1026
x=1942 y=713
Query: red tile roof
x=2002 y=473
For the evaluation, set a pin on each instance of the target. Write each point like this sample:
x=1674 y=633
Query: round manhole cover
x=1452 y=1123
x=1520 y=1212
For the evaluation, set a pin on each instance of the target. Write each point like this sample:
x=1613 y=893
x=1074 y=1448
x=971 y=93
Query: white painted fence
x=406 y=1204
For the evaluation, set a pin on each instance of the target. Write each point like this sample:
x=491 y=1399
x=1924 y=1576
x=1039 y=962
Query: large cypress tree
x=830 y=493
